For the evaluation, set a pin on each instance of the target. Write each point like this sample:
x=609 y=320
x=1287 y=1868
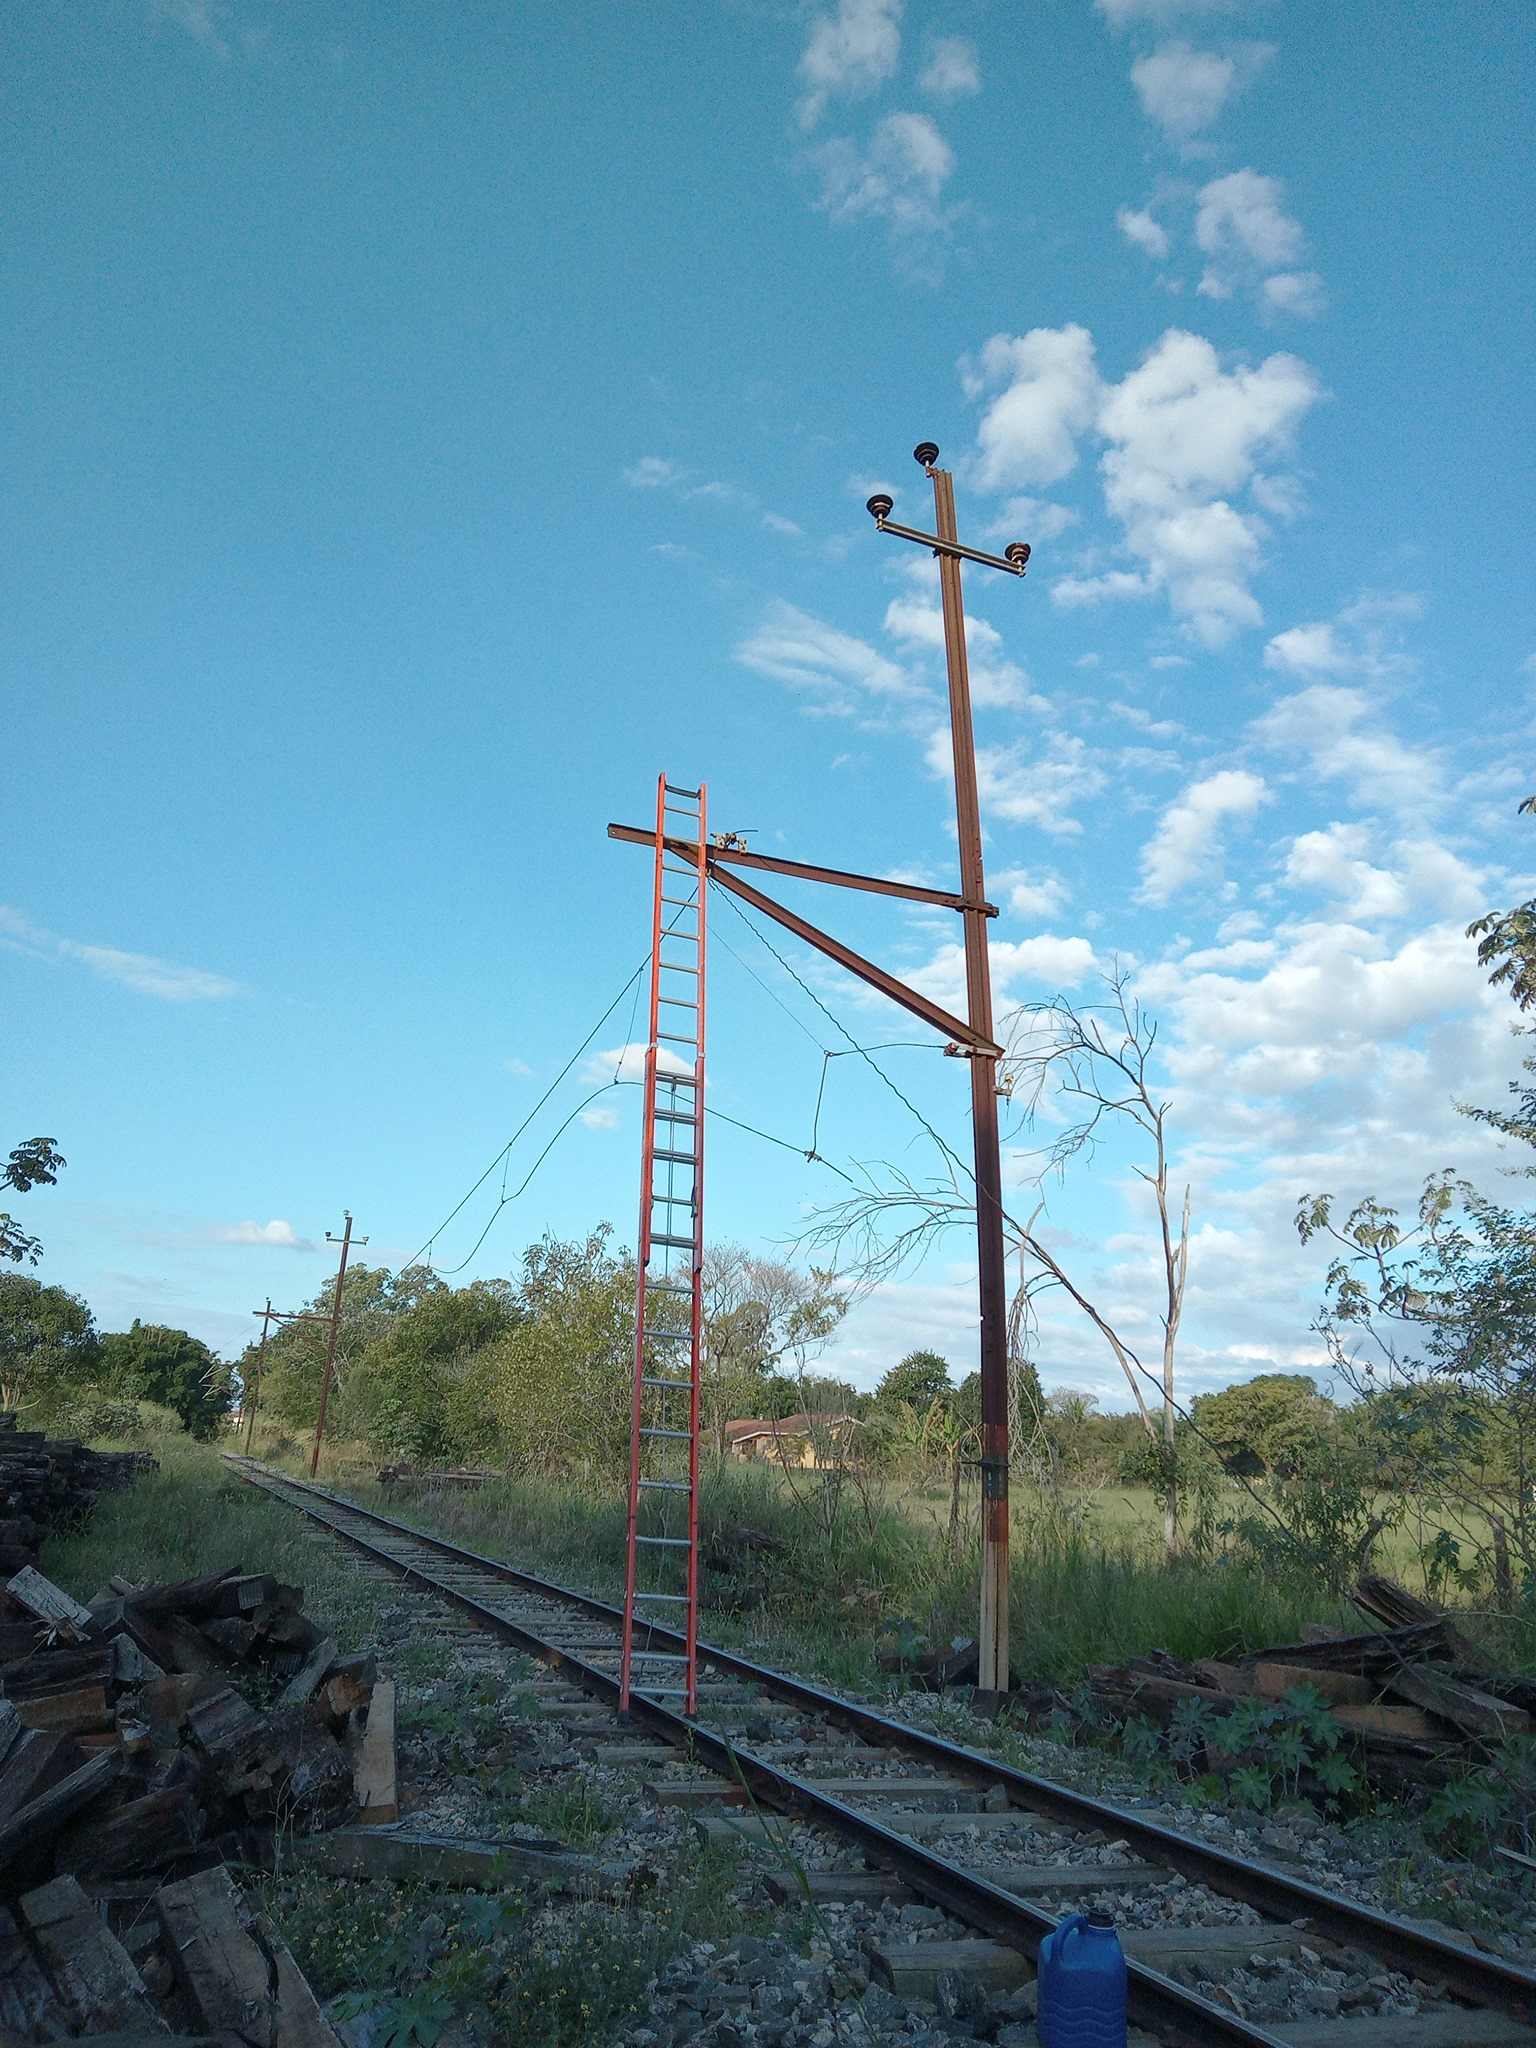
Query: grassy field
x=1089 y=1582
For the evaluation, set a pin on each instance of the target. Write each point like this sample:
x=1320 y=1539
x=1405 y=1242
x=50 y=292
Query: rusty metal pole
x=992 y=1672
x=253 y=1392
x=330 y=1342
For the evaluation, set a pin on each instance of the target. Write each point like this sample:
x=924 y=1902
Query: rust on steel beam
x=803 y=871
x=866 y=970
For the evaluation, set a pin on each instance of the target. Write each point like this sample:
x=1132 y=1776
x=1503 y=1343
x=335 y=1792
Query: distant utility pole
x=971 y=1038
x=330 y=1342
x=253 y=1391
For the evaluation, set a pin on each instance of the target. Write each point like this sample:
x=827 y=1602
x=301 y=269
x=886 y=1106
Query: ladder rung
x=677 y=967
x=681 y=1244
x=676 y=1116
x=676 y=1158
x=662 y=1692
x=682 y=903
x=675 y=1599
x=679 y=1002
x=677 y=789
x=667 y=1485
x=657 y=1657
x=667 y=1287
x=667 y=1542
x=681 y=1436
x=673 y=1038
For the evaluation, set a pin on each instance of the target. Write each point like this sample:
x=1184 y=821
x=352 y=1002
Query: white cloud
x=1044 y=961
x=996 y=682
x=952 y=69
x=1362 y=648
x=898 y=177
x=1118 y=13
x=851 y=54
x=795 y=648
x=1183 y=89
x=1031 y=892
x=141 y=972
x=519 y=1067
x=276 y=1233
x=601 y=1117
x=1144 y=232
x=652 y=473
x=1028 y=433
x=1313 y=650
x=1332 y=863
x=1186 y=846
x=1298 y=292
x=624 y=1066
x=1037 y=517
x=1027 y=784
x=1334 y=730
x=1183 y=432
x=1241 y=225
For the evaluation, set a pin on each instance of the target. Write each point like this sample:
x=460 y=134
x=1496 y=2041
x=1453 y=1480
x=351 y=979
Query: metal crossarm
x=662 y=1551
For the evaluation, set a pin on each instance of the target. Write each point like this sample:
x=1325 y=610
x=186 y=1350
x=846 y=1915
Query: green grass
x=192 y=1516
x=1089 y=1583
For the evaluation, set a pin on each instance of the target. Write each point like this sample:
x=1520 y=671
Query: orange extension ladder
x=661 y=1574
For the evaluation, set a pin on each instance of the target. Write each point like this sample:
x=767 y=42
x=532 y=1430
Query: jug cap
x=1101 y=1919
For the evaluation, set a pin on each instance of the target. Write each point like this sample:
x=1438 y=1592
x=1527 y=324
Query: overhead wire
x=503 y=1156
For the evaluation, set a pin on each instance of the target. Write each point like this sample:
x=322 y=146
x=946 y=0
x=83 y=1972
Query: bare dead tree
x=1088 y=1068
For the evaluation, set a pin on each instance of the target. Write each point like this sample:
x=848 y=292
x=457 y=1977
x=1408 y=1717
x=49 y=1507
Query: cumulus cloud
x=1120 y=13
x=141 y=972
x=808 y=654
x=898 y=177
x=1338 y=734
x=1183 y=89
x=1143 y=232
x=1027 y=785
x=1037 y=517
x=851 y=53
x=1242 y=227
x=1031 y=892
x=1184 y=434
x=1356 y=642
x=602 y=1116
x=1045 y=961
x=996 y=682
x=276 y=1233
x=624 y=1066
x=1028 y=434
x=952 y=69
x=1414 y=876
x=1186 y=847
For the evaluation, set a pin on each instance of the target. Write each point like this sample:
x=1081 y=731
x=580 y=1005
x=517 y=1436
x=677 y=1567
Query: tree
x=1273 y=1423
x=1084 y=1072
x=559 y=1382
x=1433 y=1322
x=153 y=1363
x=48 y=1342
x=919 y=1381
x=34 y=1163
x=763 y=1323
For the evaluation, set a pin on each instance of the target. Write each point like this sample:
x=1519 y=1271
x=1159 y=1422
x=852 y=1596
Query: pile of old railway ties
x=1414 y=1694
x=134 y=1770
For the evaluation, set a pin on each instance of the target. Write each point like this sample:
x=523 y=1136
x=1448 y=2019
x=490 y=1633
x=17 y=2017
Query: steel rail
x=1479 y=1978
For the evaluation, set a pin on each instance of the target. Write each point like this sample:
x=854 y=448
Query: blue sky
x=420 y=426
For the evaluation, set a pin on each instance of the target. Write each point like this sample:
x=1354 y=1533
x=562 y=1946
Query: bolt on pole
x=330 y=1342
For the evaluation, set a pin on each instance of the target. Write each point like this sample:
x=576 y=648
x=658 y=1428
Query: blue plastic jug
x=1081 y=1985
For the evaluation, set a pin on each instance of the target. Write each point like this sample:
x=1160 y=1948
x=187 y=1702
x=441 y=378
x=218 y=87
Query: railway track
x=938 y=1818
